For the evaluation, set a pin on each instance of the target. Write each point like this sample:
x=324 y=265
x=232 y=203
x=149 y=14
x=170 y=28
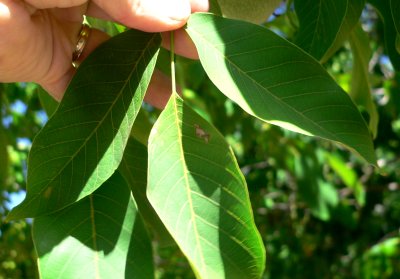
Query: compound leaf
x=197 y=189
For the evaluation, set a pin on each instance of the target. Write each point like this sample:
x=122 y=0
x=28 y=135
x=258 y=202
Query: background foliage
x=321 y=211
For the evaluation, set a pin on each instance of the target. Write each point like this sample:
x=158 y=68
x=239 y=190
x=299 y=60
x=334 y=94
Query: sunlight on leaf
x=196 y=187
x=101 y=236
x=274 y=80
x=82 y=144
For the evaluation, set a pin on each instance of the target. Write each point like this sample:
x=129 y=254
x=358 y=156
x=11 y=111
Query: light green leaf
x=82 y=144
x=134 y=168
x=360 y=85
x=384 y=9
x=101 y=236
x=256 y=11
x=197 y=189
x=276 y=81
x=348 y=176
x=318 y=28
x=320 y=196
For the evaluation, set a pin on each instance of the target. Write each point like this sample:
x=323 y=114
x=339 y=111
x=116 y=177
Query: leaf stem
x=172 y=53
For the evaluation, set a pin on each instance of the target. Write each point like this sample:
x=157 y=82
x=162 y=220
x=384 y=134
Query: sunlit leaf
x=256 y=11
x=82 y=144
x=276 y=81
x=318 y=29
x=360 y=86
x=198 y=191
x=348 y=176
x=101 y=236
x=134 y=168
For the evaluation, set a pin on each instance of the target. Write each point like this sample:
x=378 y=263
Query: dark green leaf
x=101 y=236
x=134 y=168
x=48 y=103
x=383 y=8
x=353 y=13
x=197 y=189
x=276 y=81
x=395 y=9
x=318 y=28
x=360 y=86
x=83 y=143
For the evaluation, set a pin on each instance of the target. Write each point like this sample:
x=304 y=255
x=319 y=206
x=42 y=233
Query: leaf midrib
x=266 y=90
x=188 y=190
x=99 y=123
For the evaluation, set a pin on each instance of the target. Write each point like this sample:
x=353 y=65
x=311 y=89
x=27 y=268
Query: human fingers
x=148 y=15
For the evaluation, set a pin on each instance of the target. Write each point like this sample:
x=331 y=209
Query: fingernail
x=176 y=10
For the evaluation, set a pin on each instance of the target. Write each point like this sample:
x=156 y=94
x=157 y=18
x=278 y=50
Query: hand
x=39 y=36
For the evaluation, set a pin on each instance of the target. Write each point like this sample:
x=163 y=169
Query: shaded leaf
x=197 y=189
x=360 y=86
x=395 y=10
x=318 y=29
x=384 y=10
x=101 y=236
x=141 y=127
x=82 y=144
x=353 y=14
x=256 y=11
x=49 y=104
x=134 y=168
x=274 y=80
x=321 y=196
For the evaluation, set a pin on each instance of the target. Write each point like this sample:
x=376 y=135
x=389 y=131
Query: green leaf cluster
x=108 y=176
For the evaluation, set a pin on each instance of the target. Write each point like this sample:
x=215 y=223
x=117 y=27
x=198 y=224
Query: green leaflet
x=48 y=103
x=276 y=81
x=360 y=86
x=82 y=144
x=101 y=236
x=134 y=168
x=395 y=10
x=318 y=30
x=197 y=189
x=353 y=14
x=348 y=176
x=388 y=15
x=256 y=11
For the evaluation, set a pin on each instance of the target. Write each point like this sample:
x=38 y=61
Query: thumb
x=148 y=15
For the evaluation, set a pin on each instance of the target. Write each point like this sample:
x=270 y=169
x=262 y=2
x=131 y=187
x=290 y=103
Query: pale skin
x=38 y=37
